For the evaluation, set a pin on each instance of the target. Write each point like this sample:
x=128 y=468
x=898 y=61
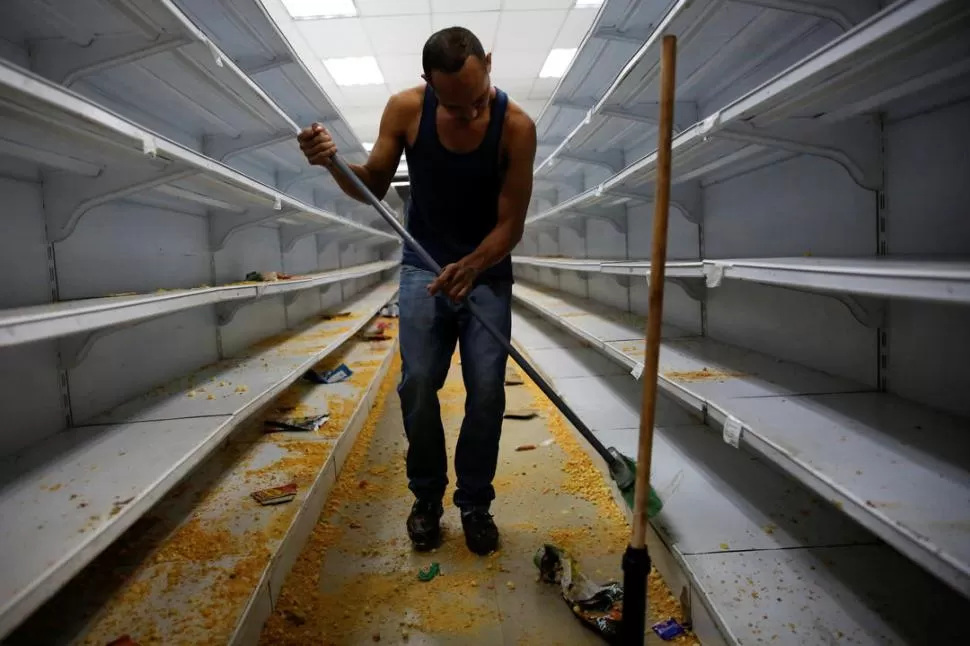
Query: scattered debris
x=600 y=607
x=275 y=495
x=668 y=629
x=510 y=585
x=377 y=332
x=267 y=276
x=333 y=317
x=521 y=413
x=335 y=376
x=305 y=424
x=391 y=310
x=526 y=447
x=429 y=573
x=294 y=618
x=548 y=442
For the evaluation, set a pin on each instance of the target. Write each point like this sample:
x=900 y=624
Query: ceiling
x=519 y=33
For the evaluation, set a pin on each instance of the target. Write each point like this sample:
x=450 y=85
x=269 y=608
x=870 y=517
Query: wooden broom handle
x=658 y=258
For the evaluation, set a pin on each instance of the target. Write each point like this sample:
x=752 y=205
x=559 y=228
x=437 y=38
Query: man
x=470 y=153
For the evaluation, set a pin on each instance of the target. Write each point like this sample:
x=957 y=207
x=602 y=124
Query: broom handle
x=658 y=259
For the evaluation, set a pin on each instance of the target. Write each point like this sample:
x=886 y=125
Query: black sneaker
x=424 y=524
x=481 y=534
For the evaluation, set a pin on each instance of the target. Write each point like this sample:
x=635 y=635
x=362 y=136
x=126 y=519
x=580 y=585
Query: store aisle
x=356 y=580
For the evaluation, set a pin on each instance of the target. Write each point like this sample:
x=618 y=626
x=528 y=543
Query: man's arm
x=458 y=278
x=378 y=171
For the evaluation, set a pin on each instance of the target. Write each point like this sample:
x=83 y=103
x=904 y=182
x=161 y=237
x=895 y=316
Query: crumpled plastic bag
x=599 y=607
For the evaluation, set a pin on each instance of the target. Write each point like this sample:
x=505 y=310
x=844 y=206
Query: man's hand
x=317 y=145
x=456 y=280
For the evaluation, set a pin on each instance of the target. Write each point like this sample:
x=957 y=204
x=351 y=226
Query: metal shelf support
x=67 y=63
x=67 y=198
x=222 y=226
x=222 y=148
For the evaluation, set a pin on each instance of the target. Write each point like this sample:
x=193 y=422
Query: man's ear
x=488 y=63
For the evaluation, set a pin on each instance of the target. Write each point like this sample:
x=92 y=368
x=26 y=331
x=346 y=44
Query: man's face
x=465 y=94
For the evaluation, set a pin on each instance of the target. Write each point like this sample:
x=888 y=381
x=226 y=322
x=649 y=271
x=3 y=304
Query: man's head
x=457 y=68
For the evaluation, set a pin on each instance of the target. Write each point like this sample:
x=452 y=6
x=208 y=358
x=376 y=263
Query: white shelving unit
x=751 y=553
x=148 y=164
x=817 y=289
x=932 y=279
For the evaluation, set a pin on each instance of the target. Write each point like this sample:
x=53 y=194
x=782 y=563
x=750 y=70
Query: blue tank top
x=453 y=204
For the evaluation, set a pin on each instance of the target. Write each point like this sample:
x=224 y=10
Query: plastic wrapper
x=599 y=607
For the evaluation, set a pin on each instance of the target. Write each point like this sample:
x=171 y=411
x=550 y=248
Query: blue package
x=338 y=374
x=668 y=629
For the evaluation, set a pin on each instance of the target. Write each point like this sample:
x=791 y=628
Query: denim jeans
x=430 y=326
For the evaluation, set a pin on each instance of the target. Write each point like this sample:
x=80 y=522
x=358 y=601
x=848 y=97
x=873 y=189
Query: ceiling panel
x=392 y=7
x=337 y=38
x=481 y=23
x=465 y=5
x=574 y=28
x=512 y=64
x=519 y=33
x=525 y=5
x=398 y=34
x=401 y=69
x=528 y=29
x=365 y=95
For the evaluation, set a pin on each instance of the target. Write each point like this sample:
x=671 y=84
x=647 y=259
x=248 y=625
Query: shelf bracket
x=289 y=298
x=649 y=112
x=613 y=216
x=76 y=348
x=869 y=312
x=222 y=226
x=636 y=36
x=67 y=198
x=286 y=180
x=833 y=143
x=693 y=287
x=623 y=280
x=223 y=147
x=612 y=160
x=226 y=310
x=814 y=9
x=66 y=63
x=583 y=104
x=257 y=65
x=684 y=196
x=290 y=234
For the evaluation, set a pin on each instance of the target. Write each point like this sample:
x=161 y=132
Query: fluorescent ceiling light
x=556 y=63
x=586 y=4
x=368 y=146
x=308 y=9
x=359 y=70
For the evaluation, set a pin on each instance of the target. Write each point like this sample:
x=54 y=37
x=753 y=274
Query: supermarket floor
x=356 y=580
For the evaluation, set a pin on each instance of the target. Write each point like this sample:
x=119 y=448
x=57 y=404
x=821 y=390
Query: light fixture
x=587 y=4
x=357 y=70
x=368 y=145
x=320 y=9
x=556 y=63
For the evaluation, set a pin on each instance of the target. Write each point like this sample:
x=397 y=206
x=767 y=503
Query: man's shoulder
x=407 y=102
x=518 y=123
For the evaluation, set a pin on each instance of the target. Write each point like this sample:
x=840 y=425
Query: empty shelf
x=26 y=324
x=673 y=269
x=933 y=279
x=905 y=48
x=77 y=491
x=102 y=157
x=767 y=559
x=249 y=548
x=146 y=58
x=251 y=38
x=900 y=469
